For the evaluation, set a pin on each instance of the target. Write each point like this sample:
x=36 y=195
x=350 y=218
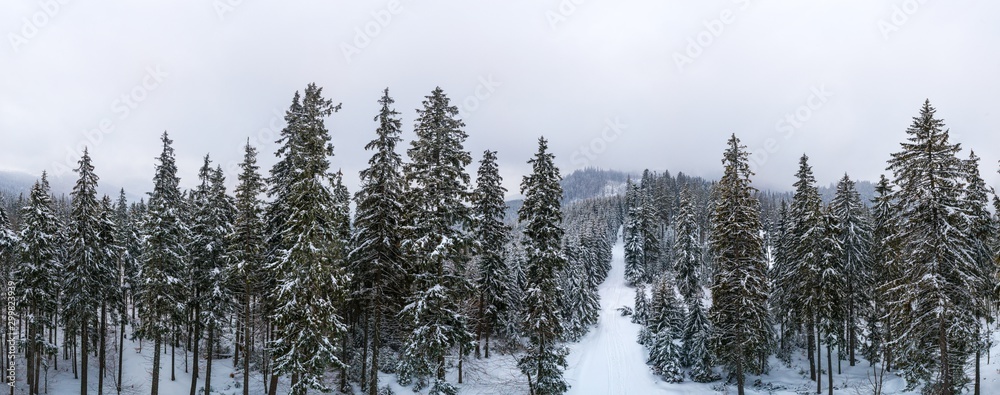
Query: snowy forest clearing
x=608 y=360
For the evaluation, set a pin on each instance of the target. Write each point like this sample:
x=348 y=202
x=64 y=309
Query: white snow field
x=608 y=360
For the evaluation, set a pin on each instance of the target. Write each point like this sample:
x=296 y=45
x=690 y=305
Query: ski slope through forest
x=608 y=360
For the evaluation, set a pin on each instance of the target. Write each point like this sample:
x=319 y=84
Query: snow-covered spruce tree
x=779 y=300
x=164 y=254
x=687 y=249
x=376 y=258
x=129 y=249
x=581 y=301
x=742 y=335
x=541 y=215
x=83 y=284
x=109 y=289
x=246 y=271
x=310 y=271
x=799 y=281
x=694 y=351
x=127 y=245
x=649 y=226
x=342 y=210
x=205 y=253
x=217 y=296
x=937 y=304
x=855 y=238
x=640 y=308
x=665 y=313
x=634 y=240
x=885 y=274
x=831 y=291
x=488 y=214
x=664 y=325
x=437 y=243
x=34 y=277
x=276 y=214
x=982 y=229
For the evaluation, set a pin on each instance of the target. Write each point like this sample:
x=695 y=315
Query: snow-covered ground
x=608 y=360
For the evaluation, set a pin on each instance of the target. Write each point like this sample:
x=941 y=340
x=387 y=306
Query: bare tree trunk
x=364 y=352
x=373 y=386
x=197 y=336
x=247 y=340
x=811 y=348
x=853 y=335
x=819 y=364
x=121 y=351
x=739 y=378
x=238 y=342
x=210 y=349
x=84 y=342
x=102 y=359
x=943 y=346
x=75 y=373
x=173 y=354
x=829 y=368
x=479 y=326
x=155 y=385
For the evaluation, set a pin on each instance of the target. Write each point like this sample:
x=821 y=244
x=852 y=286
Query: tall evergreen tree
x=376 y=258
x=695 y=352
x=635 y=271
x=488 y=213
x=247 y=254
x=437 y=242
x=855 y=238
x=982 y=230
x=83 y=288
x=831 y=292
x=742 y=333
x=885 y=274
x=277 y=212
x=164 y=254
x=312 y=280
x=542 y=216
x=109 y=290
x=800 y=280
x=34 y=278
x=664 y=325
x=780 y=270
x=687 y=249
x=937 y=303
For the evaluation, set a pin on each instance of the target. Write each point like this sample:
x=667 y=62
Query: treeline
x=907 y=280
x=424 y=275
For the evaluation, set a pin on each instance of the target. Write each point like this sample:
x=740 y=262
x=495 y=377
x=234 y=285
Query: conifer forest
x=566 y=197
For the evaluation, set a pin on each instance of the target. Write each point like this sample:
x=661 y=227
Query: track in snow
x=608 y=360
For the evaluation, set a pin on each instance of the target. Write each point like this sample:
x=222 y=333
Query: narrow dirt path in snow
x=608 y=360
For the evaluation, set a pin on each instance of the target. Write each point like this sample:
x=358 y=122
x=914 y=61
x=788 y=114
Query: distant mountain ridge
x=13 y=183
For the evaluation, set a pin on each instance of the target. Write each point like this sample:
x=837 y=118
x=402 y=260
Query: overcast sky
x=615 y=84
